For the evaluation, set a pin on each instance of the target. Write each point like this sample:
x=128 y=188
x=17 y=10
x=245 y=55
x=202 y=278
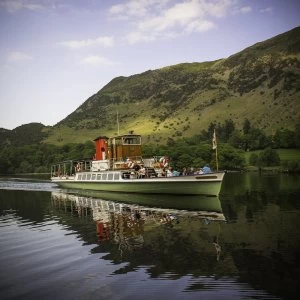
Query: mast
x=118 y=123
x=215 y=147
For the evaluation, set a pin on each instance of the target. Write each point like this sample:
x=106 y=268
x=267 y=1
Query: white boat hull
x=208 y=184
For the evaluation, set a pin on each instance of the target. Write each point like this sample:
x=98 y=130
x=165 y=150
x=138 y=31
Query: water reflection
x=250 y=237
x=129 y=227
x=179 y=202
x=266 y=183
x=244 y=244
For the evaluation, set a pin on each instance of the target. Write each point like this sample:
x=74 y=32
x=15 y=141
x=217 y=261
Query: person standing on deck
x=206 y=169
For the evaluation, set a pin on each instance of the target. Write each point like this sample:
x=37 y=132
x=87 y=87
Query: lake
x=244 y=244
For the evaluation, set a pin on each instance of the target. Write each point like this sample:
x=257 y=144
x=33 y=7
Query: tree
x=253 y=159
x=297 y=135
x=228 y=129
x=149 y=150
x=230 y=158
x=269 y=157
x=284 y=138
x=4 y=165
x=25 y=167
x=292 y=166
x=183 y=161
x=246 y=126
x=256 y=139
x=236 y=140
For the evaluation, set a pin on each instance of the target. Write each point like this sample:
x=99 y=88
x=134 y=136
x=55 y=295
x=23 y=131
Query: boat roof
x=118 y=136
x=101 y=137
x=127 y=135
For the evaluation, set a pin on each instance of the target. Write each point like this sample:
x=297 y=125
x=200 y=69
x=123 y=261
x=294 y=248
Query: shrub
x=292 y=166
x=269 y=157
x=253 y=159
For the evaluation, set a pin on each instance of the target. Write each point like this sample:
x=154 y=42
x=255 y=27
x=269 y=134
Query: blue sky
x=54 y=54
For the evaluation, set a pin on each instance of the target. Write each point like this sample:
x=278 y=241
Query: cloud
x=200 y=26
x=104 y=41
x=267 y=10
x=13 y=6
x=136 y=8
x=245 y=9
x=153 y=19
x=137 y=36
x=180 y=14
x=96 y=60
x=18 y=56
x=242 y=10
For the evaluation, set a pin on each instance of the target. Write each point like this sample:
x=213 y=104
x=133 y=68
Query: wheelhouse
x=126 y=146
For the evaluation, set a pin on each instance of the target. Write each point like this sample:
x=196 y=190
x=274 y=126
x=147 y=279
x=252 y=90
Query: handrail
x=70 y=167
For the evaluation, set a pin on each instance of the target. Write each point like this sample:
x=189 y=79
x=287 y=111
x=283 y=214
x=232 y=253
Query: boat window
x=89 y=177
x=126 y=175
x=93 y=176
x=116 y=176
x=110 y=176
x=98 y=176
x=104 y=176
x=79 y=177
x=84 y=177
x=136 y=140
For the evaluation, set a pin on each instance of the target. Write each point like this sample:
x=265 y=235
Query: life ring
x=164 y=162
x=130 y=163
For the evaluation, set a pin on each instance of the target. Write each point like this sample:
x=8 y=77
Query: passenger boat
x=118 y=166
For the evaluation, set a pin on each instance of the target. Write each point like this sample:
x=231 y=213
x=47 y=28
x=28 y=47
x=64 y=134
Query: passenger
x=78 y=167
x=206 y=169
x=169 y=172
x=200 y=171
x=175 y=173
x=142 y=172
x=136 y=167
x=191 y=171
x=129 y=163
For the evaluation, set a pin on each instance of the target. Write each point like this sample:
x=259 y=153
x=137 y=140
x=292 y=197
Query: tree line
x=251 y=138
x=197 y=151
x=192 y=152
x=38 y=158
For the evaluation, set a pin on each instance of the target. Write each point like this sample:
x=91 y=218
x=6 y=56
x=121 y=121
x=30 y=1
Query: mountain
x=27 y=134
x=261 y=83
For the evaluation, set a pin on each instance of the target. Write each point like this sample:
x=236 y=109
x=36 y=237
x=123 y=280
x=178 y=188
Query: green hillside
x=261 y=83
x=27 y=134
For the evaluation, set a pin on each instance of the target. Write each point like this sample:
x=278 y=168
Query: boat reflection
x=126 y=224
x=186 y=202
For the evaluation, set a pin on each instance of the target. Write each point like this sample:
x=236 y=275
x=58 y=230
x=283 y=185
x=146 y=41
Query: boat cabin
x=122 y=152
x=126 y=146
x=118 y=152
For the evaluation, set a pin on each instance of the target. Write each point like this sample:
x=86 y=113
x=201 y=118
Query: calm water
x=245 y=244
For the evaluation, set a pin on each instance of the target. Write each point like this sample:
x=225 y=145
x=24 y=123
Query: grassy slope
x=261 y=83
x=284 y=154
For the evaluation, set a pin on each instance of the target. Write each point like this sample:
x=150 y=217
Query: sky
x=55 y=54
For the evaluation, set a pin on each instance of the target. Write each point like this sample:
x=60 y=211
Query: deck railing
x=71 y=167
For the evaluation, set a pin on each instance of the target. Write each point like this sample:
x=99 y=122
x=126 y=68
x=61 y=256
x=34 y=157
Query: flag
x=214 y=141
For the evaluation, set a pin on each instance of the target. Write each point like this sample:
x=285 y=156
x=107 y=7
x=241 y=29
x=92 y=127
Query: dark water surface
x=244 y=244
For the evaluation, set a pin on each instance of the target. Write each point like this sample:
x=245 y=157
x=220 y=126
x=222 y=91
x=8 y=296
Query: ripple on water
x=27 y=185
x=36 y=259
